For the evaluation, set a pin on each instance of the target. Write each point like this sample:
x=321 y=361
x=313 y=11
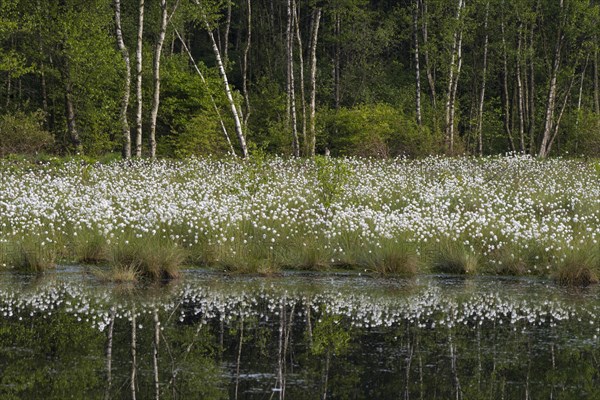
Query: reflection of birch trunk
x=155 y=355
x=309 y=325
x=454 y=366
x=239 y=356
x=479 y=367
x=326 y=374
x=279 y=385
x=409 y=352
x=417 y=342
x=111 y=326
x=133 y=353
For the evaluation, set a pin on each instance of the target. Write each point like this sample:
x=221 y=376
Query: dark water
x=65 y=335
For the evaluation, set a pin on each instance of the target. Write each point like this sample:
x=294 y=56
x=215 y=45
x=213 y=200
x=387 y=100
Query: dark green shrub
x=23 y=133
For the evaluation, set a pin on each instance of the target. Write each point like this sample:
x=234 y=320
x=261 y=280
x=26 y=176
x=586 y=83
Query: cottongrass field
x=512 y=215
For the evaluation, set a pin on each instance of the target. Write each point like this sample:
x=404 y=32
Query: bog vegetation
x=512 y=215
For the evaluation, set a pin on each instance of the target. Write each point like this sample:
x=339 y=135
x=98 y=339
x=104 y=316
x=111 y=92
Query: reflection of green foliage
x=330 y=334
x=56 y=358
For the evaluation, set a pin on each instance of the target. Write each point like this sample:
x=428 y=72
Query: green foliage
x=378 y=130
x=190 y=124
x=579 y=267
x=24 y=133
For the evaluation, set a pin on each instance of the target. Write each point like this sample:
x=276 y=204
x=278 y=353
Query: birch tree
x=156 y=75
x=139 y=48
x=126 y=135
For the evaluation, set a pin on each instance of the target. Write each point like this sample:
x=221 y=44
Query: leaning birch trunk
x=156 y=68
x=313 y=79
x=291 y=93
x=417 y=68
x=234 y=111
x=212 y=99
x=126 y=135
x=483 y=82
x=138 y=118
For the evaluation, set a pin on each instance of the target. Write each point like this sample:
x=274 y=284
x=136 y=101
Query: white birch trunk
x=313 y=79
x=126 y=135
x=417 y=66
x=156 y=71
x=301 y=62
x=483 y=83
x=291 y=95
x=138 y=116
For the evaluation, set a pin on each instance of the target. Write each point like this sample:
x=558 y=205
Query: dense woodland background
x=353 y=77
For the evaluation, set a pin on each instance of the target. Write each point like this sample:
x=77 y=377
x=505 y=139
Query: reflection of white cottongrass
x=429 y=306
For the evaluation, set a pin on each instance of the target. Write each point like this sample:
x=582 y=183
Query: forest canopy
x=382 y=78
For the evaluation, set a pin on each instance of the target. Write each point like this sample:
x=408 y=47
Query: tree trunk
x=212 y=99
x=596 y=84
x=428 y=68
x=532 y=90
x=138 y=119
x=234 y=111
x=226 y=34
x=245 y=66
x=313 y=79
x=520 y=101
x=453 y=75
x=301 y=65
x=506 y=96
x=483 y=83
x=417 y=67
x=156 y=70
x=126 y=135
x=291 y=93
x=551 y=101
x=70 y=109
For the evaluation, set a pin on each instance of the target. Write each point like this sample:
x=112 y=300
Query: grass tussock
x=91 y=248
x=30 y=255
x=118 y=274
x=154 y=259
x=391 y=258
x=579 y=267
x=453 y=257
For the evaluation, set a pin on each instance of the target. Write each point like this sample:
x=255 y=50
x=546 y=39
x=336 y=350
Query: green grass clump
x=579 y=267
x=453 y=257
x=31 y=255
x=90 y=248
x=390 y=257
x=155 y=258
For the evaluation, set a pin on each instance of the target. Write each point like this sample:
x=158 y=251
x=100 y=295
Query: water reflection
x=297 y=337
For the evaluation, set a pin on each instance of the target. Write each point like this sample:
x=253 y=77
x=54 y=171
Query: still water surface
x=207 y=336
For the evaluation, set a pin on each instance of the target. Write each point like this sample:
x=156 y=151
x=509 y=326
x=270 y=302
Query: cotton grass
x=507 y=215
